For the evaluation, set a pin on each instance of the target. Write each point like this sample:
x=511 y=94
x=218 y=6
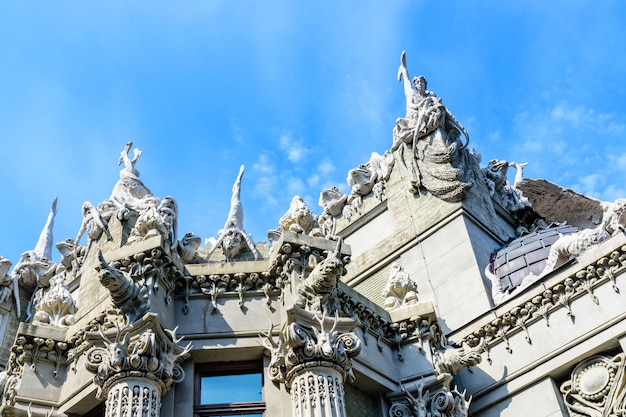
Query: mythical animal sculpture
x=188 y=248
x=319 y=289
x=233 y=237
x=400 y=289
x=613 y=222
x=127 y=295
x=597 y=220
x=452 y=360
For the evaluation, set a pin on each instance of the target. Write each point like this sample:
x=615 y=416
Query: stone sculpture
x=188 y=248
x=157 y=217
x=93 y=224
x=369 y=177
x=9 y=285
x=499 y=187
x=35 y=268
x=298 y=219
x=232 y=239
x=54 y=305
x=129 y=190
x=400 y=289
x=319 y=290
x=452 y=360
x=128 y=295
x=431 y=134
x=613 y=222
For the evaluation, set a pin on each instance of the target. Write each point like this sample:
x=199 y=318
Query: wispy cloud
x=292 y=147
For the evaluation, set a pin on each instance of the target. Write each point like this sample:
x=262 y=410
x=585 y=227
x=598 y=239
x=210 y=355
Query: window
x=229 y=389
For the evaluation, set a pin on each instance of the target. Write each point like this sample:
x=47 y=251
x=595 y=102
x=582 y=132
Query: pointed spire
x=43 y=249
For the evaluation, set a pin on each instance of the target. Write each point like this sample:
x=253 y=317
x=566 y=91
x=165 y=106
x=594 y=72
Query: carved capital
x=311 y=341
x=430 y=399
x=146 y=351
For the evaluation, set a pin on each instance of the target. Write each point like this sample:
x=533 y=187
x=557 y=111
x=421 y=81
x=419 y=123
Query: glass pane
x=231 y=389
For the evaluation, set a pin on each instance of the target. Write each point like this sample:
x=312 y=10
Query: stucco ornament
x=369 y=177
x=596 y=387
x=430 y=134
x=129 y=191
x=233 y=238
x=613 y=222
x=333 y=203
x=55 y=305
x=400 y=289
x=322 y=340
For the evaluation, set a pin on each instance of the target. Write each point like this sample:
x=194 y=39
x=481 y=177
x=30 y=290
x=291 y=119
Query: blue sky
x=298 y=92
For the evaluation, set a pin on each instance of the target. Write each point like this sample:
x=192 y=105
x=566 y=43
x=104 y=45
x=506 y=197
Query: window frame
x=227 y=409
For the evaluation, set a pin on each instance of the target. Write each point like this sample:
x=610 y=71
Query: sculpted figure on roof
x=129 y=189
x=233 y=238
x=431 y=135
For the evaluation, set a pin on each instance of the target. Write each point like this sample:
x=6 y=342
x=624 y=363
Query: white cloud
x=294 y=148
x=326 y=167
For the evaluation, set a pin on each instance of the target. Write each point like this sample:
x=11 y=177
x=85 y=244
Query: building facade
x=434 y=288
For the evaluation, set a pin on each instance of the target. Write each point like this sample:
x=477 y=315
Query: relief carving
x=596 y=387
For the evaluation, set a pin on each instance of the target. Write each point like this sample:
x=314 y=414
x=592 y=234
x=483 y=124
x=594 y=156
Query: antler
x=268 y=339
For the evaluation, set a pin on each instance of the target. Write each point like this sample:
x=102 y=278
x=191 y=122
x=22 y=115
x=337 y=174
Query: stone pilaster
x=318 y=392
x=136 y=397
